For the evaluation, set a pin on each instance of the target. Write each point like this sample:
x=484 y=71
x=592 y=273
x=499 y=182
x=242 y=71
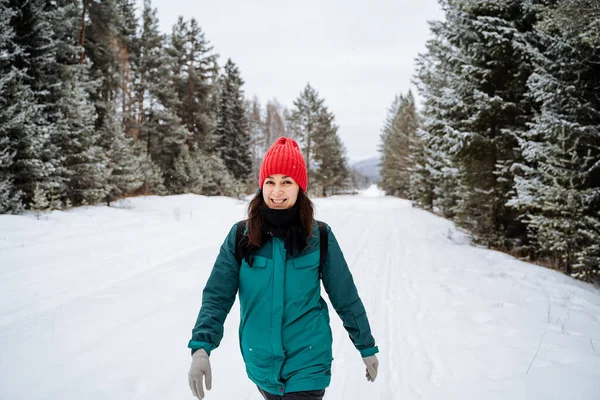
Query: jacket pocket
x=259 y=365
x=257 y=262
x=307 y=260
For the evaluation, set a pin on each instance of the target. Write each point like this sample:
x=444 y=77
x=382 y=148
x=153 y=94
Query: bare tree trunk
x=141 y=101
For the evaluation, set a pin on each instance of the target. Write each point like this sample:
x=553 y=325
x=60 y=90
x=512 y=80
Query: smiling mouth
x=278 y=201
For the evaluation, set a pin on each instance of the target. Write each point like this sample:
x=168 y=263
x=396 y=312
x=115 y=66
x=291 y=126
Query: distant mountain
x=369 y=168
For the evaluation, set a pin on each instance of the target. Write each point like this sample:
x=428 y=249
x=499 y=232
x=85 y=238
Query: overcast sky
x=357 y=54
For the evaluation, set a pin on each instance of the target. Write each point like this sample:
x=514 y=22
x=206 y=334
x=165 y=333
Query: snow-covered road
x=98 y=303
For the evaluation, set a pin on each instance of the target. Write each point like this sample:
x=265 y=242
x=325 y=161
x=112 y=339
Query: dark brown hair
x=255 y=222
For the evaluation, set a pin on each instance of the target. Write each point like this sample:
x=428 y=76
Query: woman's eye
x=268 y=182
x=288 y=182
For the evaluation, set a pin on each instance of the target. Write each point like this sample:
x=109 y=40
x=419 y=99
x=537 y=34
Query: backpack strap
x=323 y=248
x=239 y=233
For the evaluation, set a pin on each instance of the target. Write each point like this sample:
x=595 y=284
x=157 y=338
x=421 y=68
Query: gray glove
x=199 y=369
x=372 y=364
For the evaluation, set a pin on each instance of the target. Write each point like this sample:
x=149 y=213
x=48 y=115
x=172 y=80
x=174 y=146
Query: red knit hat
x=284 y=157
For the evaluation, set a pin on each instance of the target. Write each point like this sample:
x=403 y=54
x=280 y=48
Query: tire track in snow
x=418 y=284
x=409 y=359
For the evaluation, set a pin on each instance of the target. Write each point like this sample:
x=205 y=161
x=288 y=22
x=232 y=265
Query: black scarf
x=284 y=224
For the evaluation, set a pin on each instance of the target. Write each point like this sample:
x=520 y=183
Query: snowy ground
x=98 y=303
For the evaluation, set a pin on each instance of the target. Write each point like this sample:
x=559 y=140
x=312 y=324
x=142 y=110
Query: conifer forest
x=501 y=133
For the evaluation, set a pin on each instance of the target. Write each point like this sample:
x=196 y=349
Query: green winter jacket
x=284 y=331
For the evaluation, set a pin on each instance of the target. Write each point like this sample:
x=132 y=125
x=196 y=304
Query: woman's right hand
x=200 y=369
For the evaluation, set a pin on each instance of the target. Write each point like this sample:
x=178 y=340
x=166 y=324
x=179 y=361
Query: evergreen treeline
x=508 y=140
x=97 y=104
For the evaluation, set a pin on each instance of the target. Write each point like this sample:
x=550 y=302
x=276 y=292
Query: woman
x=284 y=333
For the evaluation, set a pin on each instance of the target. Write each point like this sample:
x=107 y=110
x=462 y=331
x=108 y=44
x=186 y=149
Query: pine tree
x=481 y=109
x=40 y=201
x=33 y=48
x=125 y=176
x=194 y=73
x=216 y=179
x=313 y=126
x=438 y=177
x=184 y=130
x=167 y=139
x=186 y=175
x=101 y=43
x=152 y=175
x=232 y=126
x=408 y=126
x=127 y=55
x=151 y=66
x=331 y=173
x=418 y=181
x=386 y=155
x=400 y=127
x=157 y=102
x=11 y=112
x=168 y=144
x=304 y=123
x=9 y=198
x=71 y=108
x=558 y=185
x=84 y=160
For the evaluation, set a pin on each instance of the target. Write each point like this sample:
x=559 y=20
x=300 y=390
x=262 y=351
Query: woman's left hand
x=372 y=364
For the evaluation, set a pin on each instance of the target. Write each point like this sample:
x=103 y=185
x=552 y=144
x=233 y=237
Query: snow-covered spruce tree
x=417 y=173
x=232 y=132
x=331 y=173
x=194 y=73
x=74 y=113
x=486 y=107
x=558 y=185
x=127 y=54
x=156 y=103
x=13 y=110
x=304 y=123
x=216 y=179
x=386 y=170
x=410 y=127
x=396 y=162
x=162 y=132
x=186 y=176
x=9 y=198
x=124 y=164
x=33 y=52
x=167 y=138
x=437 y=188
x=83 y=158
x=313 y=126
x=150 y=64
x=40 y=201
x=100 y=42
x=153 y=181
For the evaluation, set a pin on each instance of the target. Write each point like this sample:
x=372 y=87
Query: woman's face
x=280 y=191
